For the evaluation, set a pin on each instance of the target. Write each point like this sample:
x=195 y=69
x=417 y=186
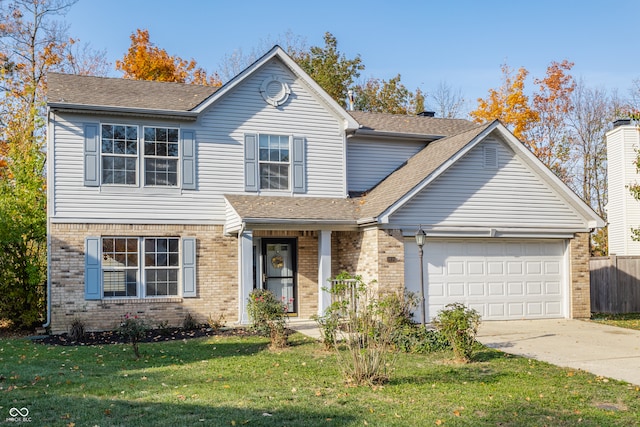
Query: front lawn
x=234 y=381
x=628 y=320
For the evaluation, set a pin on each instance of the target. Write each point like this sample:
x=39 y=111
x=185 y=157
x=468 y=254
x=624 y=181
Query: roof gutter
x=111 y=110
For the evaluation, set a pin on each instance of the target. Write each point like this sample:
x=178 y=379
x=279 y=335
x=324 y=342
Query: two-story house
x=167 y=199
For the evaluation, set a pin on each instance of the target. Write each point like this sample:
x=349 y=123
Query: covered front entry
x=279 y=267
x=502 y=279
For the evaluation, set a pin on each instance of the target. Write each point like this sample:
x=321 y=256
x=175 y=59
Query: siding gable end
x=473 y=193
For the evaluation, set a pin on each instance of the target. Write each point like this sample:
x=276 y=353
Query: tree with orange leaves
x=552 y=102
x=145 y=61
x=509 y=104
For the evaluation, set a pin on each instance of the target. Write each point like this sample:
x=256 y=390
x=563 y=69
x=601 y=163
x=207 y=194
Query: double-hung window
x=132 y=155
x=161 y=156
x=140 y=267
x=119 y=153
x=161 y=266
x=274 y=162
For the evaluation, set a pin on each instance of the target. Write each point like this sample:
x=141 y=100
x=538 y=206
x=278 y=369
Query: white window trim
x=289 y=188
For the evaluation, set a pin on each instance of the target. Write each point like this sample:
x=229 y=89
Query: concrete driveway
x=602 y=350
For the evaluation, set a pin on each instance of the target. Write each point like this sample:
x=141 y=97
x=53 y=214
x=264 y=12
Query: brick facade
x=376 y=255
x=217 y=278
x=580 y=298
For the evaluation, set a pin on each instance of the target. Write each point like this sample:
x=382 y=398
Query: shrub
x=189 y=323
x=268 y=315
x=133 y=329
x=163 y=328
x=216 y=323
x=76 y=331
x=361 y=327
x=414 y=338
x=459 y=325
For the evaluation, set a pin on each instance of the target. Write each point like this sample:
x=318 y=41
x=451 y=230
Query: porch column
x=324 y=270
x=245 y=273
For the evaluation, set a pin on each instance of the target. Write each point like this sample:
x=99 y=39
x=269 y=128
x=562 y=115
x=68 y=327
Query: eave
x=189 y=116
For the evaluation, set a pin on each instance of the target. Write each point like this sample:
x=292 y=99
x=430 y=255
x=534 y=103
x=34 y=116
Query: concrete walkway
x=603 y=350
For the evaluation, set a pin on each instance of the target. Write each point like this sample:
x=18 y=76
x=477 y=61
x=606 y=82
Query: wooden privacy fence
x=615 y=284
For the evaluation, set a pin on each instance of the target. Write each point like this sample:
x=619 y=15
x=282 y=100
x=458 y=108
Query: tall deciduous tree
x=32 y=43
x=382 y=96
x=332 y=70
x=446 y=102
x=509 y=104
x=553 y=103
x=145 y=61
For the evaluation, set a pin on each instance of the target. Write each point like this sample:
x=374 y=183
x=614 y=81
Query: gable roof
x=278 y=52
x=75 y=91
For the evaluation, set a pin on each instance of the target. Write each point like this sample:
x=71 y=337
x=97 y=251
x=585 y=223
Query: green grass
x=628 y=320
x=238 y=381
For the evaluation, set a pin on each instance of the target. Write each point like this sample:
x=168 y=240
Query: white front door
x=500 y=278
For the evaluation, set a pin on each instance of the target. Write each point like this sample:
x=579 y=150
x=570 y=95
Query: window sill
x=153 y=300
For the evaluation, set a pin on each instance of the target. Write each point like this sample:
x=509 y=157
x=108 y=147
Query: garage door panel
x=475 y=268
x=502 y=279
x=496 y=310
x=516 y=288
x=496 y=289
x=477 y=289
x=455 y=268
x=455 y=289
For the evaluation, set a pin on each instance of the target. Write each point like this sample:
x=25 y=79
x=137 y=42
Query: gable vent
x=490 y=157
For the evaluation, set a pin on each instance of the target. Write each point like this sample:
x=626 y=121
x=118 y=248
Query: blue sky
x=460 y=42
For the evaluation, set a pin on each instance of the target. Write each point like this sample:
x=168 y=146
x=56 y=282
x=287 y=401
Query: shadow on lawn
x=75 y=410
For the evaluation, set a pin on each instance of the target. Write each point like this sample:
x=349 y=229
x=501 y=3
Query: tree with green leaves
x=332 y=70
x=382 y=96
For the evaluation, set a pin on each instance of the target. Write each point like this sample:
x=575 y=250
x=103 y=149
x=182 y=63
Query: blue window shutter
x=92 y=268
x=251 y=162
x=91 y=155
x=189 y=267
x=299 y=174
x=188 y=159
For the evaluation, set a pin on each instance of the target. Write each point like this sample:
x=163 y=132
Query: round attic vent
x=275 y=91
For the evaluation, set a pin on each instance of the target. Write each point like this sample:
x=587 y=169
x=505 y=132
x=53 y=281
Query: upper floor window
x=161 y=156
x=119 y=149
x=130 y=155
x=274 y=162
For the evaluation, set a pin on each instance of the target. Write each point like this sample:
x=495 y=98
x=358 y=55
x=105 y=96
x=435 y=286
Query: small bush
x=268 y=316
x=133 y=329
x=459 y=325
x=216 y=323
x=417 y=339
x=189 y=323
x=76 y=331
x=163 y=328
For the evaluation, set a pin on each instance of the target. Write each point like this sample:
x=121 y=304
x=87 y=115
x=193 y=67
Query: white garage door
x=501 y=279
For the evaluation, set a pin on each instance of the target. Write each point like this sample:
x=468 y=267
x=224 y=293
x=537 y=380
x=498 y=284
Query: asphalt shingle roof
x=296 y=208
x=397 y=123
x=125 y=93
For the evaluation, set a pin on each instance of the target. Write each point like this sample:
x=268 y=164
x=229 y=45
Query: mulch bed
x=155 y=335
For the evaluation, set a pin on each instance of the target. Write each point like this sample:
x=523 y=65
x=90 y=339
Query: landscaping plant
x=133 y=329
x=459 y=325
x=361 y=328
x=268 y=315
